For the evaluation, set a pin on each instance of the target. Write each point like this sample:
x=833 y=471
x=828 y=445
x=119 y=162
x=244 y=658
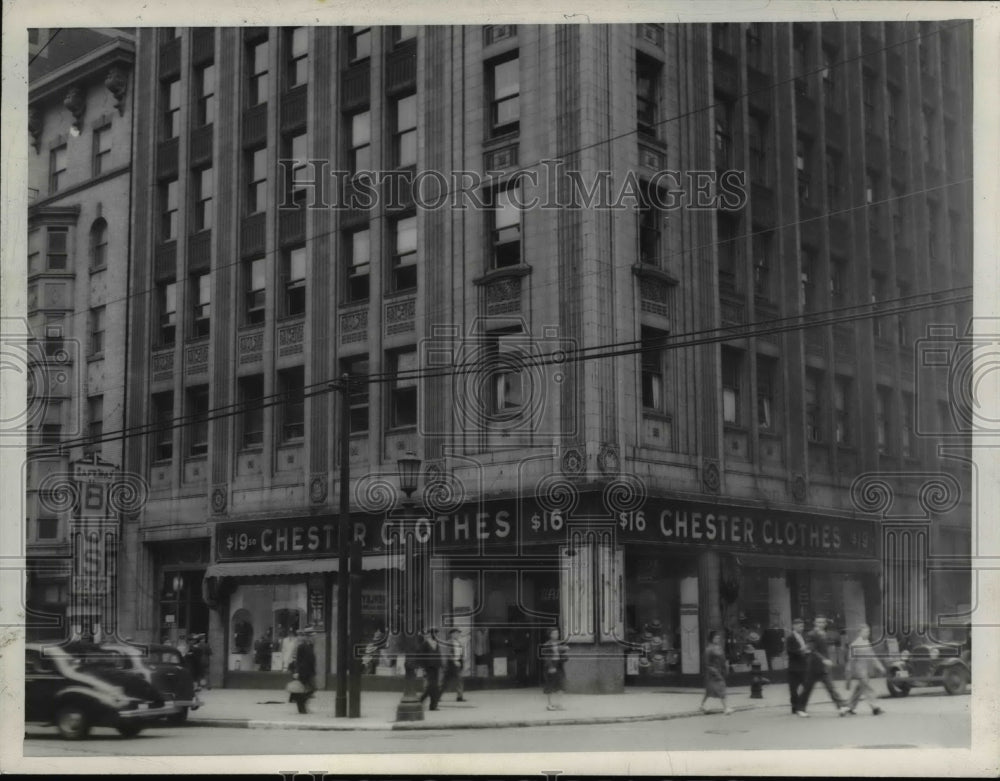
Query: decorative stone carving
x=163 y=365
x=218 y=500
x=399 y=316
x=503 y=296
x=607 y=460
x=653 y=295
x=710 y=477
x=317 y=489
x=573 y=461
x=798 y=487
x=290 y=339
x=196 y=360
x=76 y=103
x=353 y=326
x=35 y=126
x=116 y=83
x=251 y=347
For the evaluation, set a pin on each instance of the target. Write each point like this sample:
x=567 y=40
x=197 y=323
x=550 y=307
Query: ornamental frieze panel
x=290 y=338
x=251 y=347
x=400 y=316
x=353 y=326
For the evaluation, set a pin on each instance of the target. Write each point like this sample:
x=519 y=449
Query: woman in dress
x=553 y=653
x=715 y=672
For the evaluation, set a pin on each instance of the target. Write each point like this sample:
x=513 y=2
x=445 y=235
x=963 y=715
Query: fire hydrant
x=757 y=682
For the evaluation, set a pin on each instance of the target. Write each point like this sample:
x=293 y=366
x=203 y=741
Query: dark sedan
x=75 y=688
x=163 y=666
x=929 y=664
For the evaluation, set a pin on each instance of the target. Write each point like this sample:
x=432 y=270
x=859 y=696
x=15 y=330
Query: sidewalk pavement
x=270 y=709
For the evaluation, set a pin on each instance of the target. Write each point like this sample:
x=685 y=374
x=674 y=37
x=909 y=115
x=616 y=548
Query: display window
x=262 y=617
x=653 y=601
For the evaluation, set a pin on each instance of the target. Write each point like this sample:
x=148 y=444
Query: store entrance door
x=183 y=611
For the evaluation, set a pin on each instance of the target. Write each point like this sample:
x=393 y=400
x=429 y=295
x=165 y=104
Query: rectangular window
x=927 y=135
x=807 y=277
x=297 y=49
x=297 y=157
x=56 y=249
x=205 y=86
x=723 y=133
x=171 y=97
x=503 y=80
x=95 y=424
x=763 y=260
x=878 y=294
x=814 y=405
x=256 y=167
x=830 y=73
x=54 y=334
x=871 y=187
x=647 y=87
x=251 y=420
x=869 y=90
x=201 y=305
x=404 y=138
x=359 y=44
x=902 y=327
x=730 y=242
x=833 y=164
x=894 y=111
x=47 y=529
x=933 y=229
x=358 y=251
x=51 y=434
x=883 y=402
x=652 y=362
x=257 y=58
x=197 y=410
x=649 y=228
x=758 y=147
x=162 y=437
x=102 y=150
x=802 y=153
x=98 y=244
x=838 y=281
x=842 y=410
x=166 y=304
x=908 y=430
x=255 y=288
x=57 y=169
x=404 y=256
x=34 y=251
x=291 y=386
x=506 y=376
x=294 y=279
x=403 y=32
x=359 y=152
x=358 y=396
x=732 y=369
x=402 y=366
x=505 y=228
x=97 y=330
x=204 y=186
x=168 y=210
x=766 y=393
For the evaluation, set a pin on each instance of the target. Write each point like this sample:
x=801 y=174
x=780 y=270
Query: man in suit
x=798 y=660
x=454 y=662
x=429 y=656
x=820 y=665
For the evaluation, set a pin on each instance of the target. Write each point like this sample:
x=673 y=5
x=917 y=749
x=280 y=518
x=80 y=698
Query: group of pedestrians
x=809 y=663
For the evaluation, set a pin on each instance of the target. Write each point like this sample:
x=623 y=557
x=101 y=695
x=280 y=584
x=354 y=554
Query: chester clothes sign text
x=506 y=524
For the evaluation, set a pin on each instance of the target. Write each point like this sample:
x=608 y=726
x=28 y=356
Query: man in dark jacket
x=820 y=665
x=798 y=661
x=304 y=670
x=429 y=657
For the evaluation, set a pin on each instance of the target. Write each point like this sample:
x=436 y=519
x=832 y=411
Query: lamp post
x=409 y=707
x=178 y=584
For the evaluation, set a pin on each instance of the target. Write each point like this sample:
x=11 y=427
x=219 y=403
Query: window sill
x=251 y=450
x=520 y=270
x=651 y=139
x=656 y=414
x=501 y=139
x=98 y=269
x=736 y=428
x=95 y=357
x=649 y=271
x=286 y=319
x=393 y=294
x=197 y=341
x=409 y=429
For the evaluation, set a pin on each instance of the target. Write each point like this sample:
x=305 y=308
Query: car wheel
x=129 y=730
x=73 y=722
x=896 y=687
x=178 y=718
x=955 y=681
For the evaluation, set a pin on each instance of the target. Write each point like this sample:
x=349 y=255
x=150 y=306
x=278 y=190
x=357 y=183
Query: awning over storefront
x=858 y=565
x=266 y=569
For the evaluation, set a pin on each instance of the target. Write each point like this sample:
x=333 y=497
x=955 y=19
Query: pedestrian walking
x=820 y=665
x=453 y=665
x=288 y=645
x=303 y=668
x=861 y=665
x=798 y=660
x=201 y=653
x=429 y=656
x=715 y=672
x=554 y=654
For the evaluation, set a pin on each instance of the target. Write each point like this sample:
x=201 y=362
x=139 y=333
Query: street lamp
x=409 y=708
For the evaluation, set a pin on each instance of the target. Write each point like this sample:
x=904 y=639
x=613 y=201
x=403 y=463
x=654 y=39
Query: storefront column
x=217 y=642
x=708 y=591
x=779 y=602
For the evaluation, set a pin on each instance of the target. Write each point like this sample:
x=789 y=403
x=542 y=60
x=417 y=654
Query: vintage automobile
x=73 y=687
x=163 y=666
x=929 y=664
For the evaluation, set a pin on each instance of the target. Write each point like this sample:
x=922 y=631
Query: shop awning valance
x=264 y=569
x=846 y=566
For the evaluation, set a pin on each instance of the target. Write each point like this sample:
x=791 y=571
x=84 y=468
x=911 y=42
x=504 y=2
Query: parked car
x=75 y=688
x=164 y=667
x=929 y=664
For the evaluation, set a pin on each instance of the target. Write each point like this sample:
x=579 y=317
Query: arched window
x=99 y=243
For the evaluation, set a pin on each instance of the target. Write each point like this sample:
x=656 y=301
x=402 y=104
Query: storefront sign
x=506 y=524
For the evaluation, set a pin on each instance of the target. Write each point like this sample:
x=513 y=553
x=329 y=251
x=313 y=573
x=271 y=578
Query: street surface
x=921 y=720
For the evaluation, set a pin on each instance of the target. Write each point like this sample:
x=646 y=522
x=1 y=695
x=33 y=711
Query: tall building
x=79 y=163
x=612 y=285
